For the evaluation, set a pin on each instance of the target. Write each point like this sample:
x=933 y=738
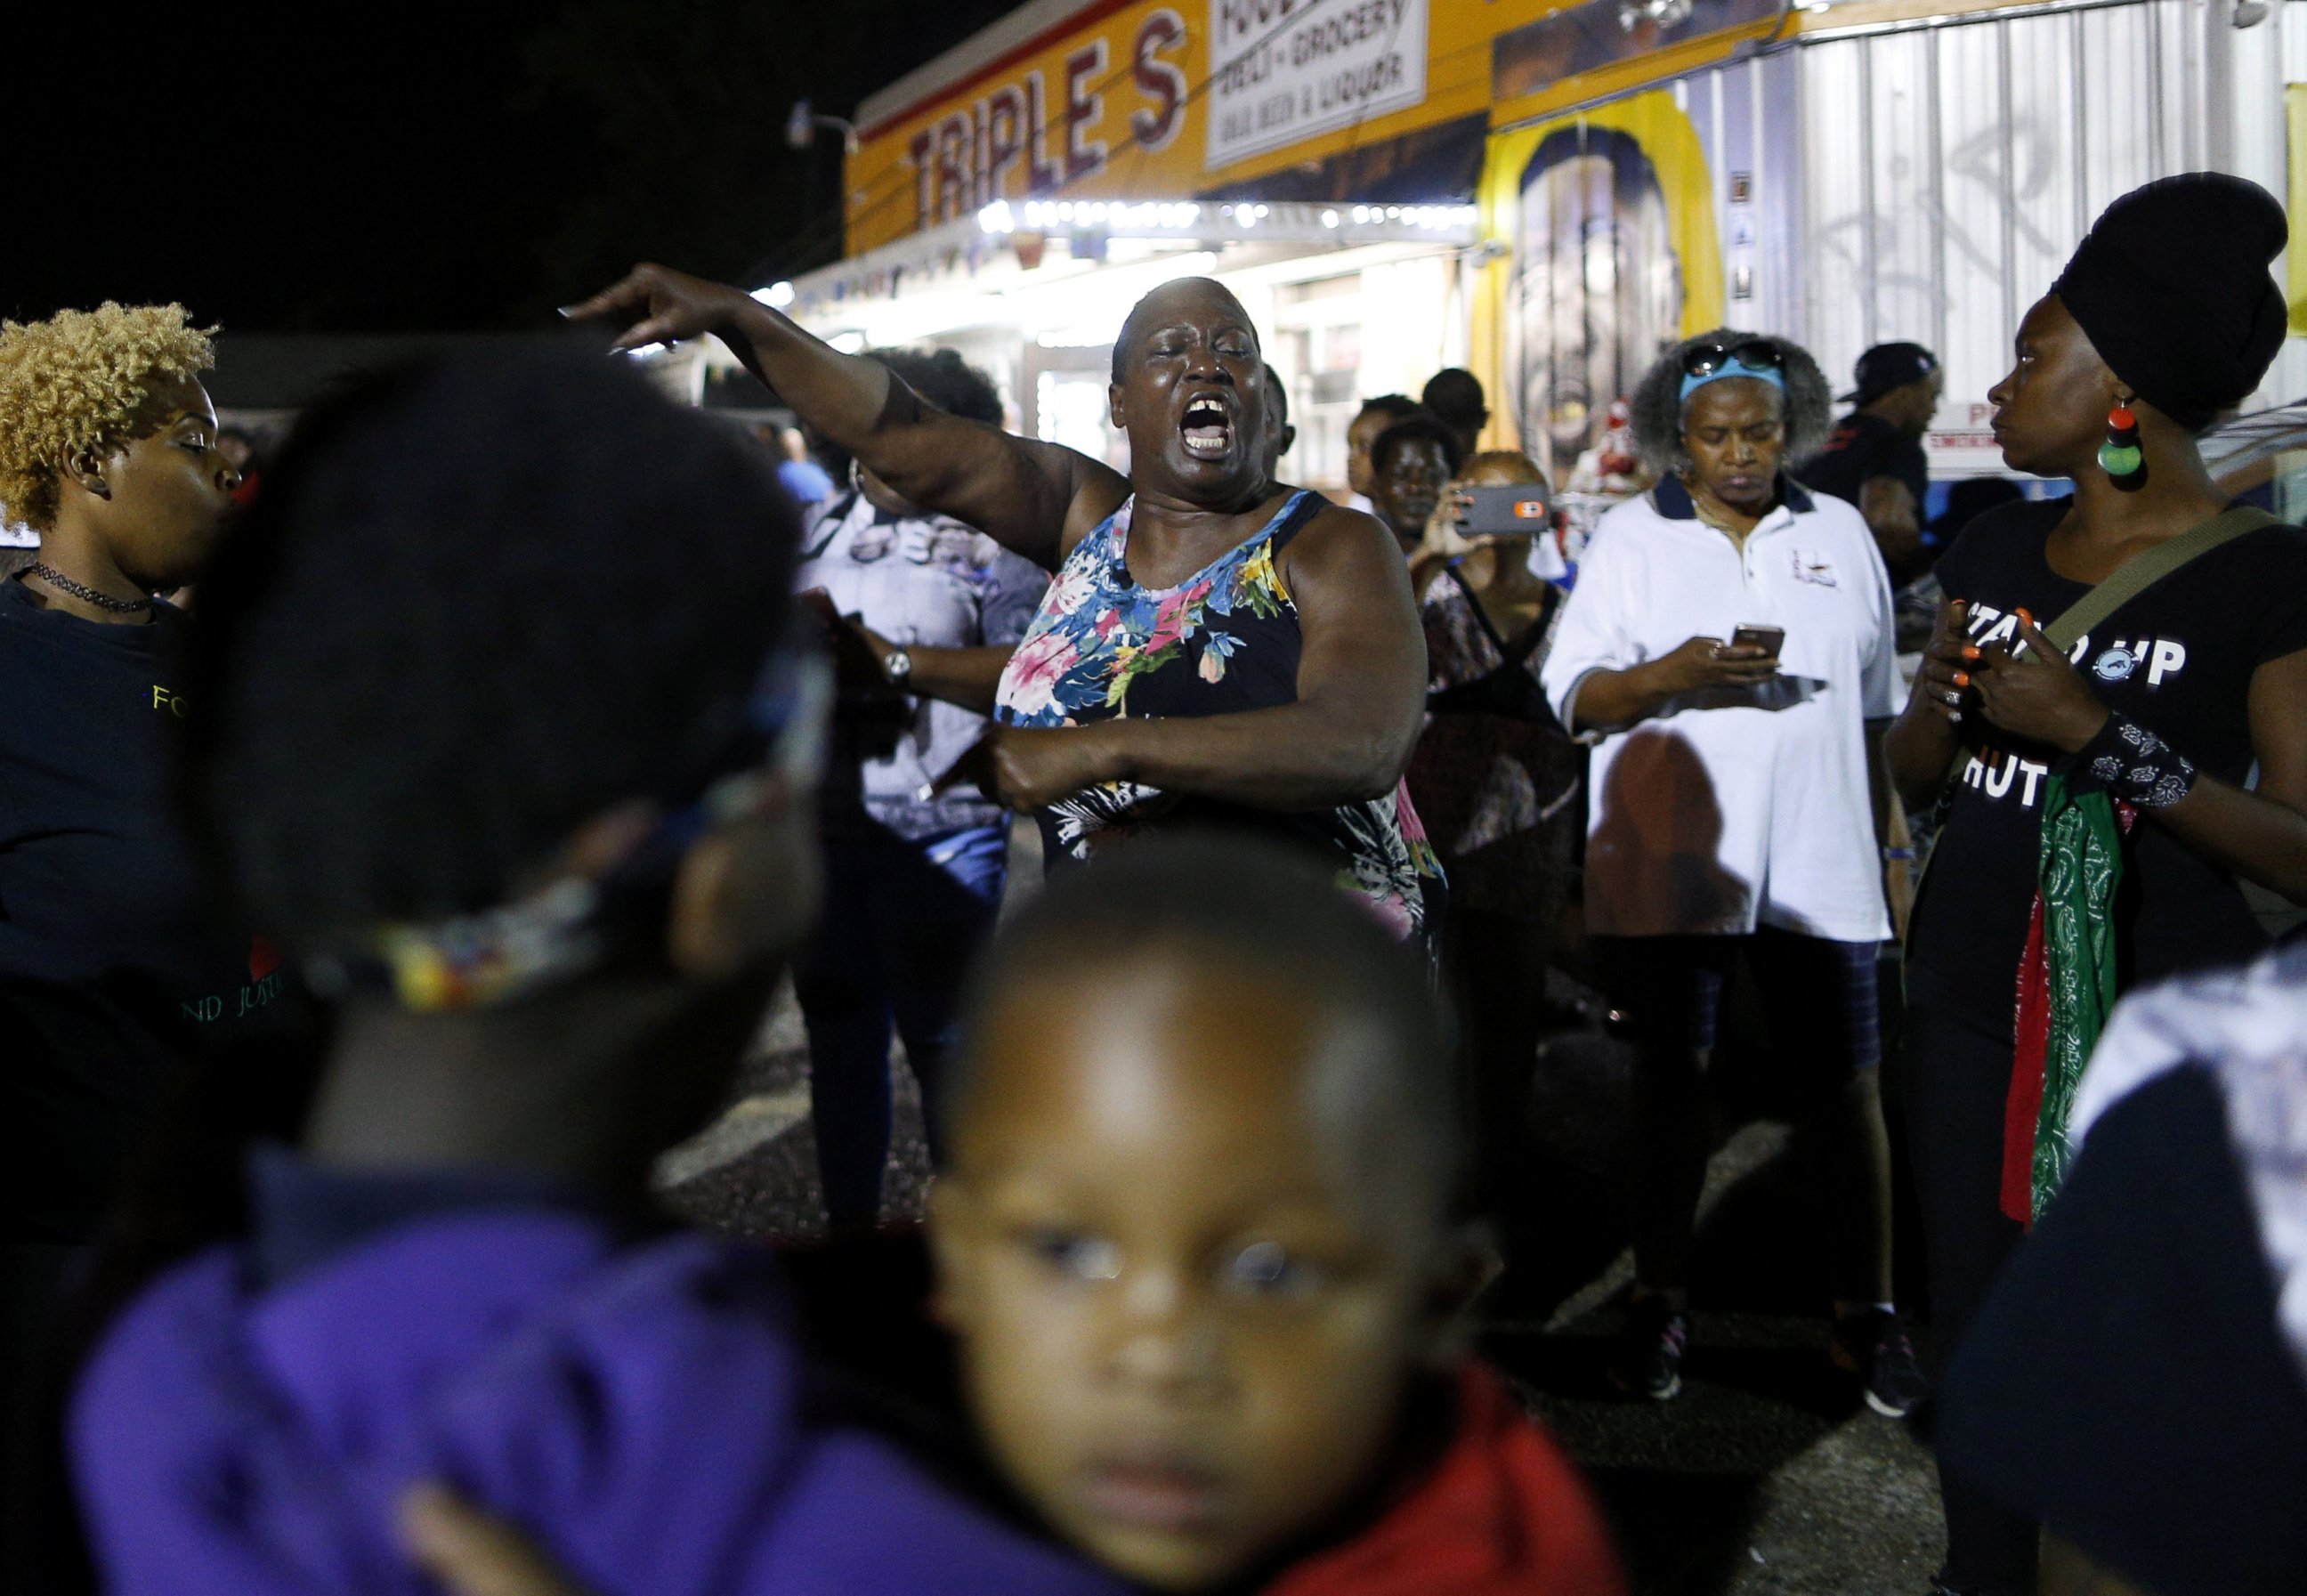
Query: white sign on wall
x=1284 y=70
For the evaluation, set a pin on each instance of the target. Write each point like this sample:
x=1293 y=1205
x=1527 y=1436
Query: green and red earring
x=2120 y=457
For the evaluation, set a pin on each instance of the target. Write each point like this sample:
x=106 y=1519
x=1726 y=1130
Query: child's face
x=1190 y=1266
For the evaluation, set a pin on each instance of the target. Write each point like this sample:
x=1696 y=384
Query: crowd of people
x=369 y=927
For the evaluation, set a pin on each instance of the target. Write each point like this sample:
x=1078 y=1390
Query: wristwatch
x=896 y=666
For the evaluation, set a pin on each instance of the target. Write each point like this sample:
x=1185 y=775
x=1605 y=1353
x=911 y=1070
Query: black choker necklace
x=103 y=601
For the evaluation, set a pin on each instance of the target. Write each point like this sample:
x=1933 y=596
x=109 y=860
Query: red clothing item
x=1504 y=1513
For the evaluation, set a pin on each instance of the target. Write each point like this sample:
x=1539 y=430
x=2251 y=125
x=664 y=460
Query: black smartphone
x=1769 y=639
x=1518 y=509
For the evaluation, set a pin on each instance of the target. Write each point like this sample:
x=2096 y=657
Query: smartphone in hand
x=1752 y=635
x=1517 y=510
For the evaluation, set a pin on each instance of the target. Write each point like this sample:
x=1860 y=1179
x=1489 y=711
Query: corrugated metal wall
x=1947 y=171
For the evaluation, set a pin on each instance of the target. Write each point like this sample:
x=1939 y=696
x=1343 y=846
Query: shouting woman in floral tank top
x=1218 y=649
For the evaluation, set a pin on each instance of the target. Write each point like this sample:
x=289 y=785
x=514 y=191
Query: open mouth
x=1207 y=429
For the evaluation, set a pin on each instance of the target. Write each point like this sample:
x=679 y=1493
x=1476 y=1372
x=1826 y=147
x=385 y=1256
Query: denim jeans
x=903 y=921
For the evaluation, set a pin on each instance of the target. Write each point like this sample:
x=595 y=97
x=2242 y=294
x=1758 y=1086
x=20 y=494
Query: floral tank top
x=1224 y=641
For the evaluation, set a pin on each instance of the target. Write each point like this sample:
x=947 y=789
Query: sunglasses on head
x=1757 y=354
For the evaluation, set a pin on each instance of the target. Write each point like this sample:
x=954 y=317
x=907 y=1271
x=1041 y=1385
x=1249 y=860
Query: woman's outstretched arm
x=1037 y=499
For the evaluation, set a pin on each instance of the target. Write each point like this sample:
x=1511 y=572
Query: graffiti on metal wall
x=1987 y=184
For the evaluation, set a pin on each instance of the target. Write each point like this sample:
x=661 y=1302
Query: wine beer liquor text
x=1282 y=70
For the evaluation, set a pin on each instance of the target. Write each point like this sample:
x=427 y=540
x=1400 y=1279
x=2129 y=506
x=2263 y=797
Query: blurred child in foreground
x=1196 y=1242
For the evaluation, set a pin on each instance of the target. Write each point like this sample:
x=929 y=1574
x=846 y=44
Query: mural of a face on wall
x=1598 y=289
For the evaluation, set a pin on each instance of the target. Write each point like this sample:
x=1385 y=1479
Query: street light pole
x=802 y=125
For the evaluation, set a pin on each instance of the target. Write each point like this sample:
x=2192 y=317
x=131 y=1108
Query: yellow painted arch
x=1665 y=132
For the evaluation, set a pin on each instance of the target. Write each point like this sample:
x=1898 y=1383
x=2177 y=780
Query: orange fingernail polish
x=1962 y=678
x=1970 y=653
x=2025 y=615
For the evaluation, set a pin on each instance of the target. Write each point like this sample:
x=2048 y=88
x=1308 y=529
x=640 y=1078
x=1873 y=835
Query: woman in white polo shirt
x=1730 y=648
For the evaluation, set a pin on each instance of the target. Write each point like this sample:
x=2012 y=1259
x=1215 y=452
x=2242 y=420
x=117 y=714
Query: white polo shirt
x=1741 y=808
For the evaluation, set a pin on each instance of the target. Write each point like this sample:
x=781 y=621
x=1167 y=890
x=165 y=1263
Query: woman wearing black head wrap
x=2095 y=816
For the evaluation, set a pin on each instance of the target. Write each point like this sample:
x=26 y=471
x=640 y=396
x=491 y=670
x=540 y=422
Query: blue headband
x=1734 y=367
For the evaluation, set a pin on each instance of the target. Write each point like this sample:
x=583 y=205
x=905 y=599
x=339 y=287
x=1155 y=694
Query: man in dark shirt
x=1873 y=459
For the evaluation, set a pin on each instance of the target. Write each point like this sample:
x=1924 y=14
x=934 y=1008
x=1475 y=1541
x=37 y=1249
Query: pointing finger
x=627 y=294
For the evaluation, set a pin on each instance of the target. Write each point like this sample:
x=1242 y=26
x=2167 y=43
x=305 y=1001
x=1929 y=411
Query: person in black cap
x=1873 y=458
x=2097 y=817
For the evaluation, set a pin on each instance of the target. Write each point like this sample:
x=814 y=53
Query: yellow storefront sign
x=1143 y=101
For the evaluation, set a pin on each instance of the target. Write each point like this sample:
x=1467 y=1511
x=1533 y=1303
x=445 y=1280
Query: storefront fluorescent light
x=1430 y=219
x=1089 y=310
x=1112 y=215
x=1152 y=218
x=1084 y=306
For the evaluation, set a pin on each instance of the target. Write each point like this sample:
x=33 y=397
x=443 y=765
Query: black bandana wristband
x=2132 y=763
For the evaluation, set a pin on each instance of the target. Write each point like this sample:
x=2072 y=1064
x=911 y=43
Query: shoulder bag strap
x=2143 y=570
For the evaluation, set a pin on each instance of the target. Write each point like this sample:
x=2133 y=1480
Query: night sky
x=425 y=168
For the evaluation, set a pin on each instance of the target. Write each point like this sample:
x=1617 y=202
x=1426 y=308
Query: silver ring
x=1955 y=697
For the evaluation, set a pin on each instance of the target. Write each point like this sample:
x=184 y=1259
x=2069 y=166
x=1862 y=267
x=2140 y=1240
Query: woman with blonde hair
x=109 y=451
x=111 y=973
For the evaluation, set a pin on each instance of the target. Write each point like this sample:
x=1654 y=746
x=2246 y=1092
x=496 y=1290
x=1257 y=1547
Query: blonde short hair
x=1511 y=464
x=75 y=381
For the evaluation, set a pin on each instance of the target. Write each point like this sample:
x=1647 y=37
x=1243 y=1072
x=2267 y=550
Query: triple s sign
x=1279 y=72
x=1051 y=133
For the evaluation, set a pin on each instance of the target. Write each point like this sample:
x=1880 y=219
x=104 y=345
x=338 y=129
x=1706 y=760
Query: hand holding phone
x=1516 y=510
x=1754 y=635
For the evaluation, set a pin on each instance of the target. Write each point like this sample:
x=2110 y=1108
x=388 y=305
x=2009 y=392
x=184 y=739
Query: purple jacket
x=643 y=1412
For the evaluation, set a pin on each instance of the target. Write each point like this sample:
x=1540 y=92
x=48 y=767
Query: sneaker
x=1875 y=1346
x=1648 y=1358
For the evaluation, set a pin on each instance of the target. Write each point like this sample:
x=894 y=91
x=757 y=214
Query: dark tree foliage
x=437 y=166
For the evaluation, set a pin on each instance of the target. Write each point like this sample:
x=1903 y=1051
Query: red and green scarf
x=2066 y=988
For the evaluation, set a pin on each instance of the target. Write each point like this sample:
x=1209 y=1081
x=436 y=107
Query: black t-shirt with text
x=1863 y=447
x=97 y=887
x=2177 y=658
